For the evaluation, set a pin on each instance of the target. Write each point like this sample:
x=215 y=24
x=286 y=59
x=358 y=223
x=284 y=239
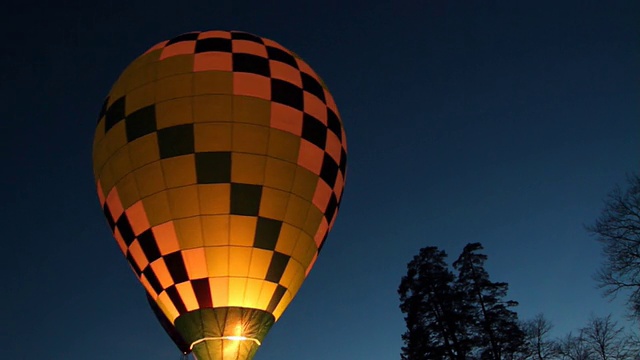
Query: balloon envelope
x=220 y=162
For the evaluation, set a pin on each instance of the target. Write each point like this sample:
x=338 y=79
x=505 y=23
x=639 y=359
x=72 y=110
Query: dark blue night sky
x=503 y=122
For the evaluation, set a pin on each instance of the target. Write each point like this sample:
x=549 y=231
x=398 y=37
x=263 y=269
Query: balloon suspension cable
x=234 y=338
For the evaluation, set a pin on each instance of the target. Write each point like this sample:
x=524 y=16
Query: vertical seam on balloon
x=265 y=158
x=166 y=188
x=262 y=281
x=291 y=194
x=223 y=325
x=135 y=180
x=233 y=130
x=201 y=313
x=246 y=280
x=197 y=184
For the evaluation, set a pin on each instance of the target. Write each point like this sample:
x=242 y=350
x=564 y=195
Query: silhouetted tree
x=606 y=339
x=463 y=316
x=600 y=339
x=618 y=229
x=495 y=329
x=433 y=308
x=538 y=344
x=574 y=347
x=456 y=317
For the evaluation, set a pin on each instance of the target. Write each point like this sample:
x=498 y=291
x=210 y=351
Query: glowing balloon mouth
x=230 y=337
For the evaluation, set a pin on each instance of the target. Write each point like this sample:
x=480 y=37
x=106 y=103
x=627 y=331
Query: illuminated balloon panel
x=220 y=161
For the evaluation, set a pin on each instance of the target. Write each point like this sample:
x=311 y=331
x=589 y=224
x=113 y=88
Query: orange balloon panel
x=220 y=161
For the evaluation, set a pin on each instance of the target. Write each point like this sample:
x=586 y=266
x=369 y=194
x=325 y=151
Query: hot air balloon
x=220 y=163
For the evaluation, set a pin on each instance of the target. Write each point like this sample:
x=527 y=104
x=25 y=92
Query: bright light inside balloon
x=241 y=338
x=231 y=349
x=238 y=338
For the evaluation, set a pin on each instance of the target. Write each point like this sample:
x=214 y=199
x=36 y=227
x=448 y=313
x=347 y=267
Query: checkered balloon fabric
x=220 y=162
